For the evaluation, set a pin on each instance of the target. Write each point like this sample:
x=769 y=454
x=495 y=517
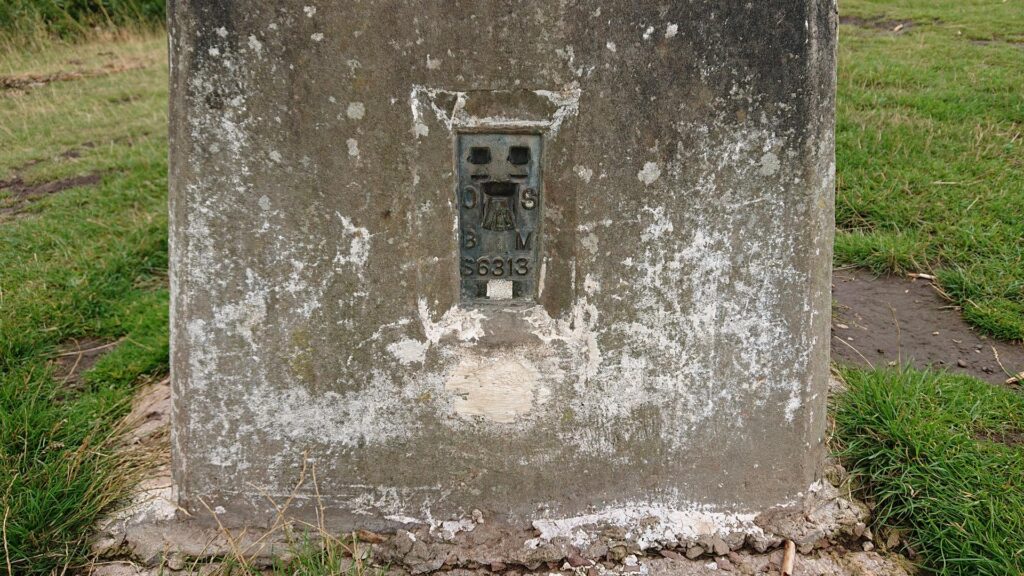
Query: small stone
x=175 y=561
x=630 y=560
x=806 y=548
x=630 y=569
x=868 y=546
x=724 y=564
x=478 y=516
x=859 y=528
x=498 y=566
x=961 y=363
x=671 y=554
x=735 y=540
x=574 y=559
x=760 y=545
x=719 y=546
x=694 y=551
x=617 y=552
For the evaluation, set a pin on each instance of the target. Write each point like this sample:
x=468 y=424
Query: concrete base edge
x=829 y=532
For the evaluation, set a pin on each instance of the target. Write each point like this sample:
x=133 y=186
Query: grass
x=942 y=457
x=930 y=150
x=85 y=262
x=930 y=178
x=33 y=23
x=322 y=555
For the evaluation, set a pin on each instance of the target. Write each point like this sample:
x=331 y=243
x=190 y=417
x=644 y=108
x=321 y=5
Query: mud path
x=888 y=320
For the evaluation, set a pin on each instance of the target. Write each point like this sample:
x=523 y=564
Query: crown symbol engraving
x=499 y=214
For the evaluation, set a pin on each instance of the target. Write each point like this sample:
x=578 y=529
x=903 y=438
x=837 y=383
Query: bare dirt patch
x=22 y=193
x=1008 y=437
x=1008 y=42
x=877 y=23
x=879 y=321
x=77 y=357
x=20 y=83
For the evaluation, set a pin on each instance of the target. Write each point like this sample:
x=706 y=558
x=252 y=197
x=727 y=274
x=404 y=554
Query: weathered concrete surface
x=674 y=366
x=146 y=537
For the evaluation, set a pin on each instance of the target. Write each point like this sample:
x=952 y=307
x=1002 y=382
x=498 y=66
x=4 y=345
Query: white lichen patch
x=355 y=110
x=577 y=332
x=671 y=30
x=769 y=164
x=255 y=45
x=358 y=247
x=647 y=525
x=459 y=323
x=660 y=226
x=353 y=147
x=379 y=411
x=649 y=173
x=408 y=351
x=589 y=243
x=584 y=173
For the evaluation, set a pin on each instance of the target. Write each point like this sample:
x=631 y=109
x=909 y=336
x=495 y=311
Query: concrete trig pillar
x=545 y=261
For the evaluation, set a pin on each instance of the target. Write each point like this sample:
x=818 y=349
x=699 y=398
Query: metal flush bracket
x=500 y=205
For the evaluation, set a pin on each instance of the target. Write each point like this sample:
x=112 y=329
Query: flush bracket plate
x=500 y=203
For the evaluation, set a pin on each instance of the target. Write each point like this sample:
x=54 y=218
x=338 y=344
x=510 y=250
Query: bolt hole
x=519 y=155
x=502 y=189
x=479 y=155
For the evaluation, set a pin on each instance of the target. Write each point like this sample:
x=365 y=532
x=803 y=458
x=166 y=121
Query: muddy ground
x=879 y=321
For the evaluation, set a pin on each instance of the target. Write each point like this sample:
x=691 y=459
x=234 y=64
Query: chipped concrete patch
x=499 y=387
x=455 y=110
x=408 y=351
